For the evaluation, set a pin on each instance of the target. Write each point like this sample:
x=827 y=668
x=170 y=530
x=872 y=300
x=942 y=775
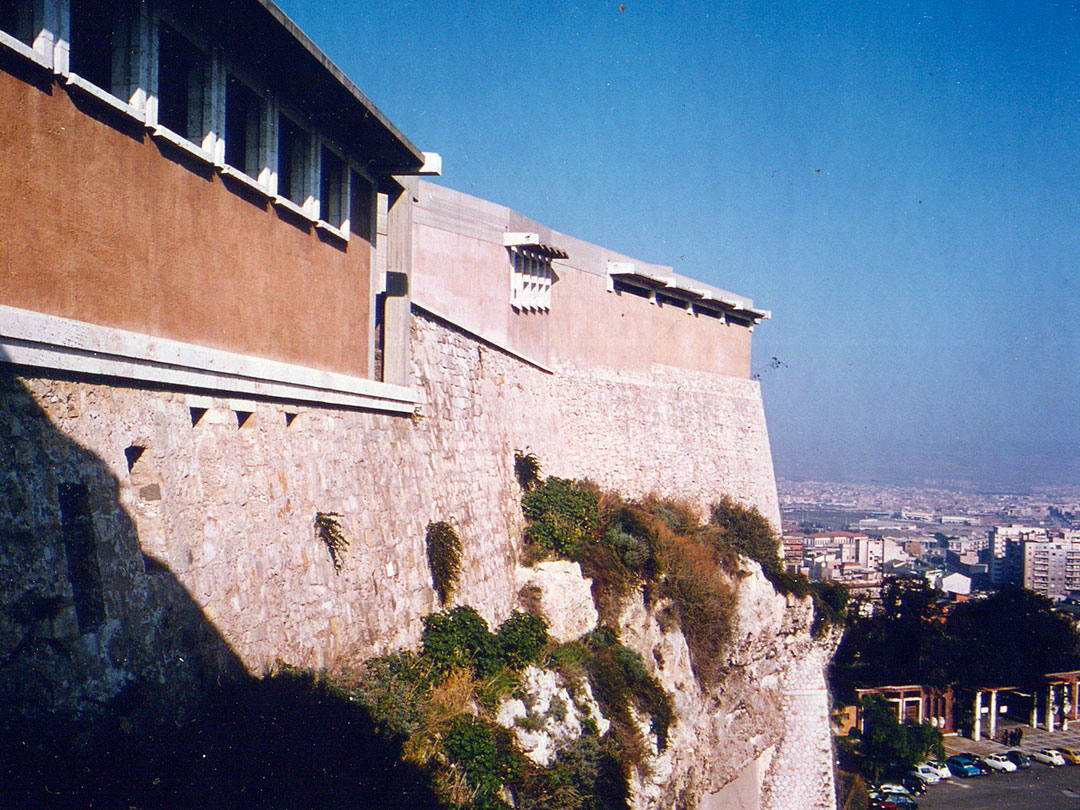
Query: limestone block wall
x=203 y=508
x=802 y=775
x=674 y=432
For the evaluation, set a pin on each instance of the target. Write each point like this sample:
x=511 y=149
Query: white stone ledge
x=105 y=97
x=246 y=179
x=326 y=227
x=179 y=141
x=47 y=341
x=24 y=50
x=289 y=205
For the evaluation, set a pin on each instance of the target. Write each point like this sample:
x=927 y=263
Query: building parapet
x=62 y=344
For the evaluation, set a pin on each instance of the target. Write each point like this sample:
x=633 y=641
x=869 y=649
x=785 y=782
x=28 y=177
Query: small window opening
x=361 y=193
x=621 y=287
x=331 y=170
x=292 y=159
x=100 y=44
x=289 y=417
x=242 y=418
x=671 y=301
x=380 y=337
x=17 y=19
x=181 y=85
x=196 y=415
x=80 y=544
x=133 y=453
x=243 y=119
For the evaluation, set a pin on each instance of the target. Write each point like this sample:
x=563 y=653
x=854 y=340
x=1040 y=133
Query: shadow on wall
x=117 y=691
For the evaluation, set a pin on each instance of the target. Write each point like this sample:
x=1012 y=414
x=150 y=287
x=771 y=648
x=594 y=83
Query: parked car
x=977 y=761
x=1000 y=762
x=927 y=772
x=939 y=765
x=1048 y=756
x=1070 y=755
x=891 y=787
x=892 y=801
x=962 y=766
x=1018 y=758
x=914 y=784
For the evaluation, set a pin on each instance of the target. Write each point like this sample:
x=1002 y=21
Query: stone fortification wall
x=204 y=555
x=674 y=432
x=224 y=509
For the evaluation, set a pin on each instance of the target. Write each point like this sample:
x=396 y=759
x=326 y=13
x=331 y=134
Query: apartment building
x=1052 y=566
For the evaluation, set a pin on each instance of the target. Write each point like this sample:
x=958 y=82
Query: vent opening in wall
x=80 y=544
x=289 y=417
x=196 y=415
x=133 y=453
x=242 y=418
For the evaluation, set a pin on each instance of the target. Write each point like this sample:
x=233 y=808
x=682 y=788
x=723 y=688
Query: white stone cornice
x=34 y=339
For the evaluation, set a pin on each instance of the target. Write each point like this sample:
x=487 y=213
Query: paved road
x=1037 y=788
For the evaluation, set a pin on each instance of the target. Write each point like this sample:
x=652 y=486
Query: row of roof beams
x=277 y=47
x=681 y=288
x=628 y=273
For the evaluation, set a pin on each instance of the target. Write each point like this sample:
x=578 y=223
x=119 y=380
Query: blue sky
x=899 y=182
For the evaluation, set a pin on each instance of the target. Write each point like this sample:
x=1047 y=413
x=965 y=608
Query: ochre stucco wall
x=102 y=223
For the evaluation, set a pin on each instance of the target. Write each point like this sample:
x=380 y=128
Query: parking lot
x=1039 y=787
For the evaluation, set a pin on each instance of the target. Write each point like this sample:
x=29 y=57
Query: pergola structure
x=914 y=702
x=992 y=713
x=1062 y=696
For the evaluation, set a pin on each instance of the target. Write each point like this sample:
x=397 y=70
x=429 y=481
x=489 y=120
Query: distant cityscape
x=961 y=542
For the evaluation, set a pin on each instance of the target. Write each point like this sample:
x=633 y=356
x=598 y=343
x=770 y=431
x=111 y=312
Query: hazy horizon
x=897 y=181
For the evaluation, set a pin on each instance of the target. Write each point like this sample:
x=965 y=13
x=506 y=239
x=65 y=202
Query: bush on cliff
x=561 y=515
x=439 y=707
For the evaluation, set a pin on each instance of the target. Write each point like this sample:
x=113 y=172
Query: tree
x=1013 y=638
x=903 y=642
x=887 y=743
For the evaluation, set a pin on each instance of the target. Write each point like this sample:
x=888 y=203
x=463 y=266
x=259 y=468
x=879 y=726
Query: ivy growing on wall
x=444 y=559
x=527 y=470
x=328 y=530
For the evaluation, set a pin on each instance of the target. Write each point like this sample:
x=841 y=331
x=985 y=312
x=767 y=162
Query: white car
x=938 y=767
x=927 y=772
x=999 y=762
x=1049 y=756
x=892 y=787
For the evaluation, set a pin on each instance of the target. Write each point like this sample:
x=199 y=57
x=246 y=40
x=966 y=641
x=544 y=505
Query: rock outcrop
x=756 y=740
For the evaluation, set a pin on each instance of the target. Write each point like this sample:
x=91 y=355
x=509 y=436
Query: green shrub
x=471 y=744
x=634 y=550
x=520 y=639
x=830 y=606
x=748 y=532
x=561 y=514
x=619 y=679
x=394 y=689
x=444 y=559
x=588 y=774
x=459 y=638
